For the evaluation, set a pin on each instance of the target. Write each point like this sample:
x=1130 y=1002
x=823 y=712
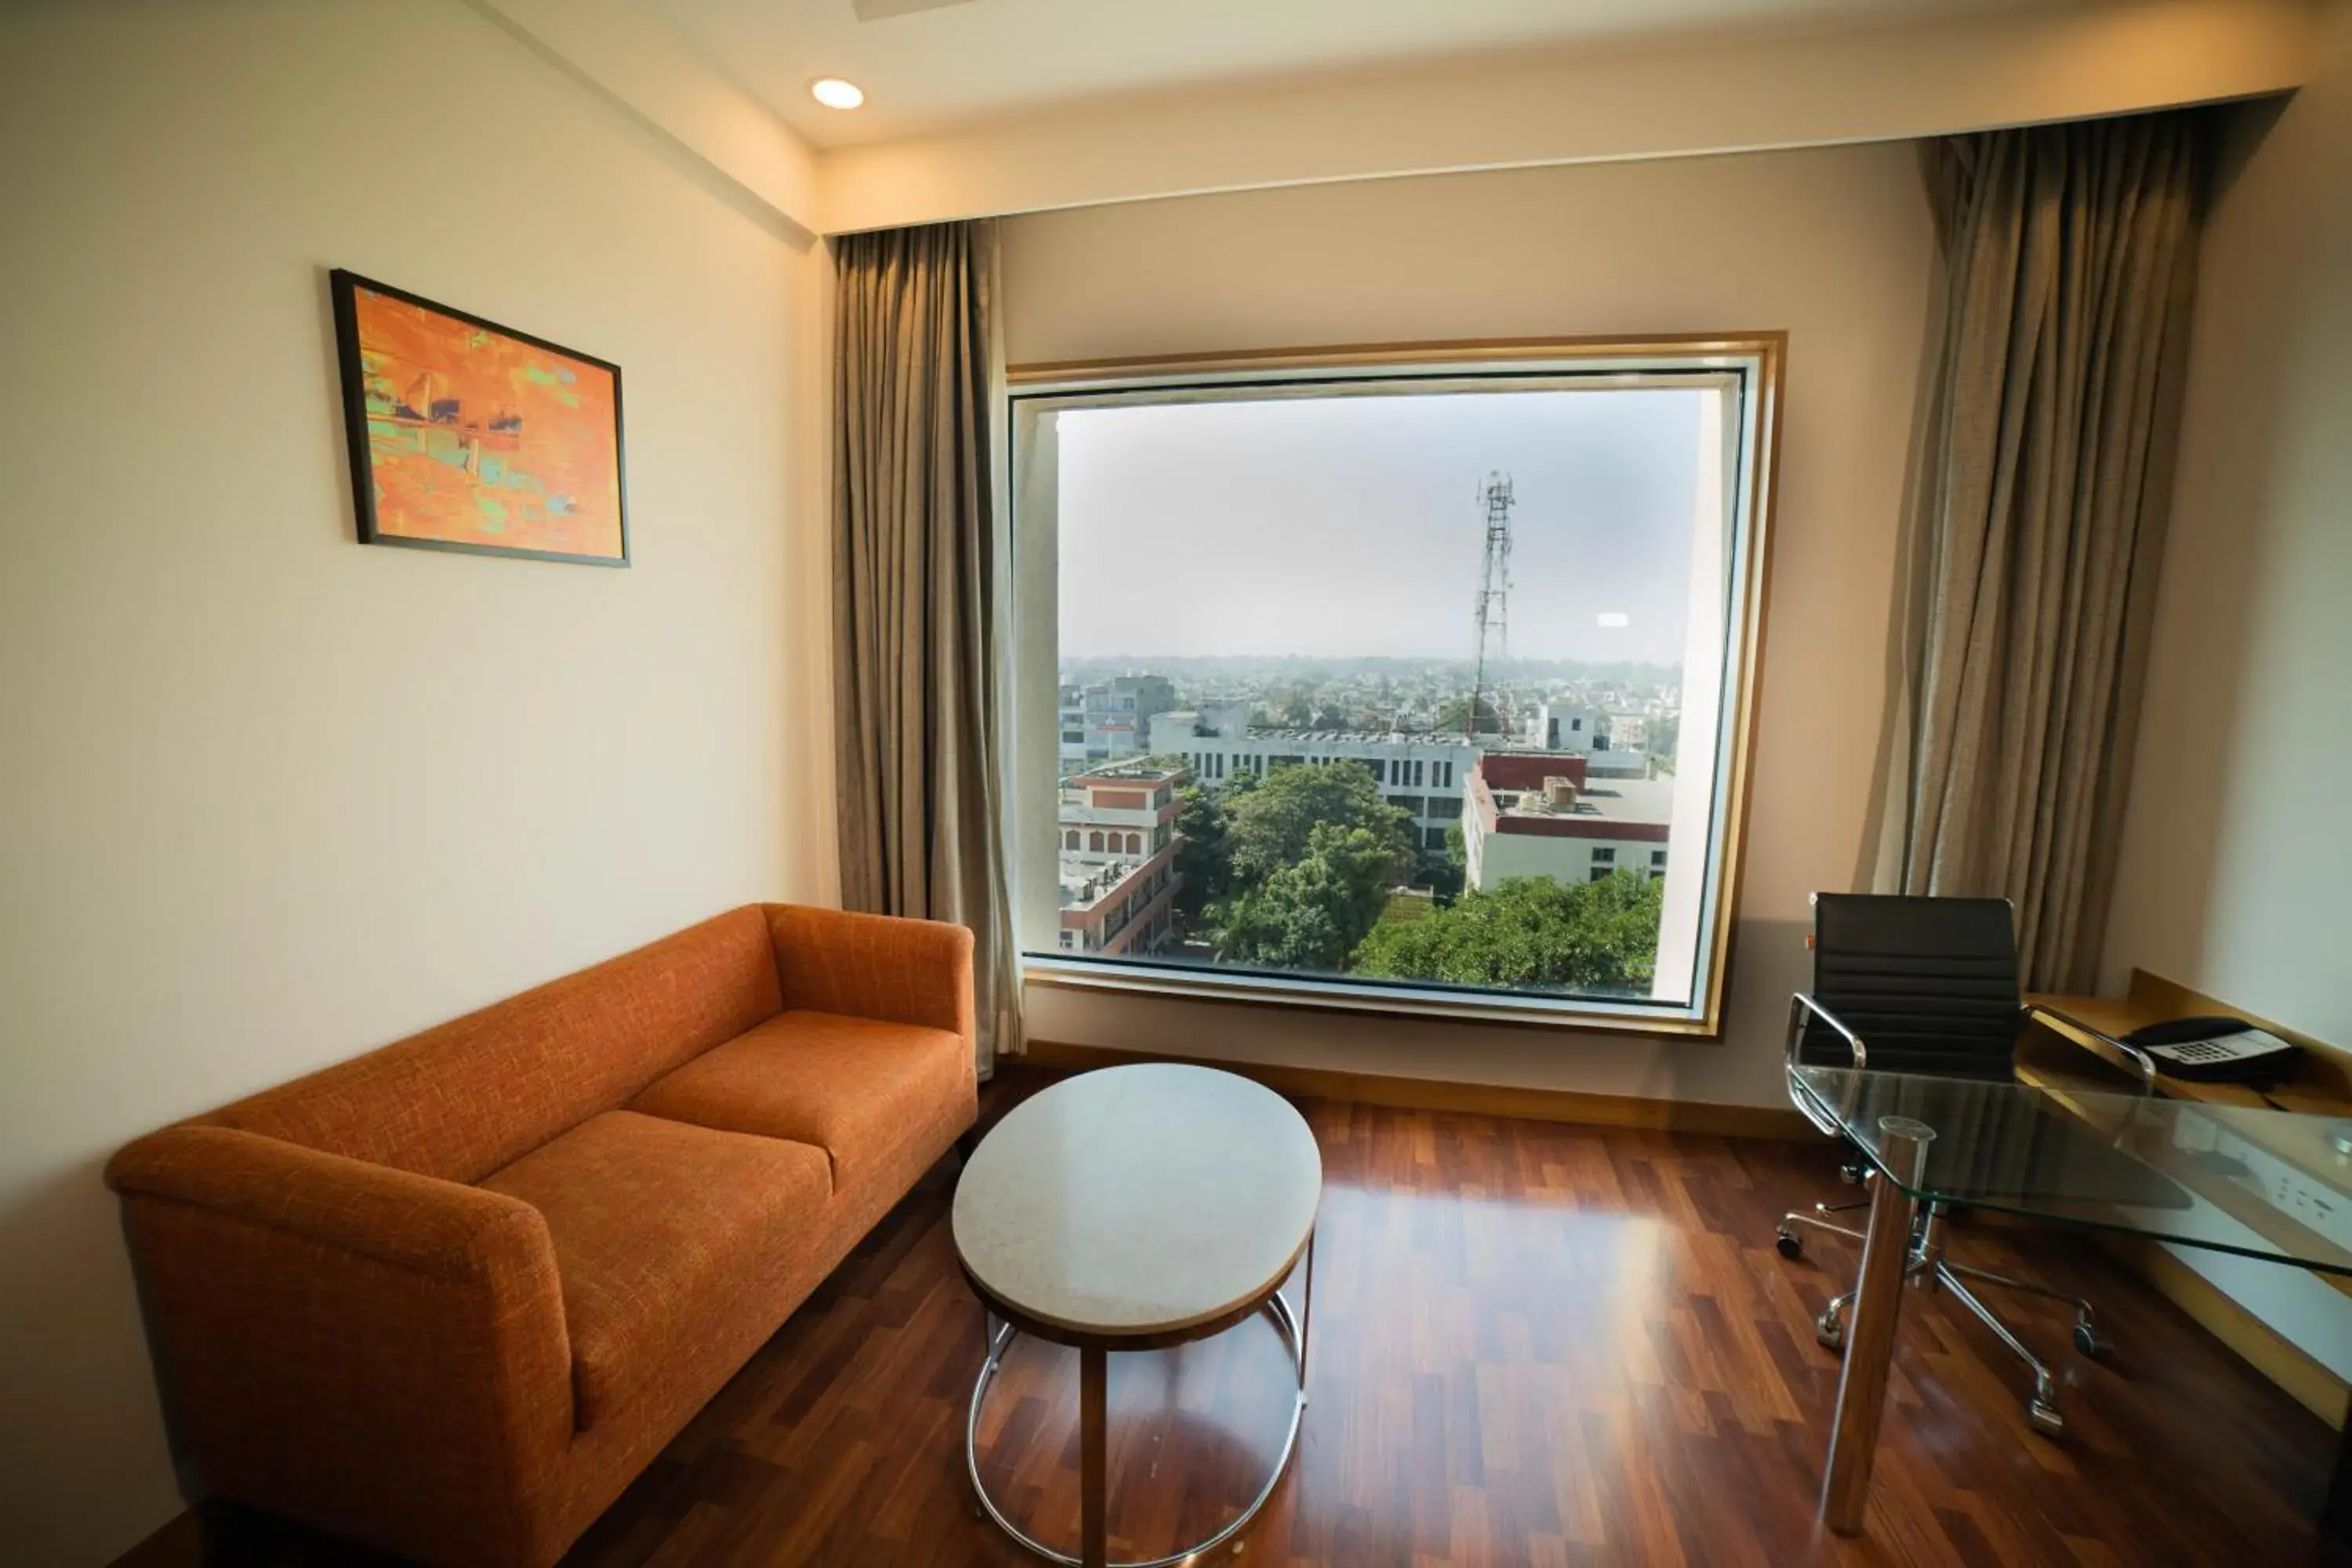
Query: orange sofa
x=449 y=1297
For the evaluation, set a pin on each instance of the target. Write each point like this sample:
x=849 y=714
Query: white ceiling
x=960 y=60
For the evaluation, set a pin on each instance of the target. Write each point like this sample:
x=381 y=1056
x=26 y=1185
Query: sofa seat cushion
x=860 y=1088
x=657 y=1225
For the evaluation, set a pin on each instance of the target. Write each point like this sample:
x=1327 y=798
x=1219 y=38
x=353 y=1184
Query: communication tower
x=1492 y=619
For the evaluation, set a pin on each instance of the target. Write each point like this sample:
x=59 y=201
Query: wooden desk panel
x=2052 y=1056
x=2320 y=1080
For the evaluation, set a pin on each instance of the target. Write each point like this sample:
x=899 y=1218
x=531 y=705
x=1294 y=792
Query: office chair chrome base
x=1791 y=1244
x=2041 y=1406
x=2088 y=1340
x=1921 y=978
x=1828 y=1329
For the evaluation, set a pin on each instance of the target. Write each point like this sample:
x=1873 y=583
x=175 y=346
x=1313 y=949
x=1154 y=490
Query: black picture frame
x=343 y=285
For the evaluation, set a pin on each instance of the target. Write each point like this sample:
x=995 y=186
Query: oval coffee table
x=1135 y=1208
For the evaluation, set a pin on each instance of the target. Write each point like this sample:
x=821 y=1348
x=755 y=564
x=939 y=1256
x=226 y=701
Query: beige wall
x=1833 y=245
x=2237 y=869
x=2237 y=865
x=272 y=798
x=629 y=53
x=1924 y=73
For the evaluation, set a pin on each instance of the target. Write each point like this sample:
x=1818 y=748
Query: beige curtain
x=918 y=585
x=2037 y=521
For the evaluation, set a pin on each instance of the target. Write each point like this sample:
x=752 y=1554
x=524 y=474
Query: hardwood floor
x=1532 y=1344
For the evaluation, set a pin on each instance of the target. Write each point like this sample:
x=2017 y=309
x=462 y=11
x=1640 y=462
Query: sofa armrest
x=361 y=1347
x=874 y=966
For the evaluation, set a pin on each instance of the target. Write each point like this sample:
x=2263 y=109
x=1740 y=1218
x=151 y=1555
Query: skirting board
x=1474 y=1099
x=2262 y=1347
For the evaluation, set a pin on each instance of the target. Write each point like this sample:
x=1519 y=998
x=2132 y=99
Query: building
x=1421 y=773
x=1541 y=814
x=1111 y=719
x=1628 y=729
x=1172 y=732
x=1609 y=745
x=1424 y=773
x=1565 y=727
x=1117 y=859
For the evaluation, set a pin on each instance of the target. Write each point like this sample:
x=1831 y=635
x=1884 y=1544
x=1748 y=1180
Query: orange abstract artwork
x=474 y=438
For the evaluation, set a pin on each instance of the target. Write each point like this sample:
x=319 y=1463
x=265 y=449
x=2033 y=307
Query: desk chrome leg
x=1869 y=1337
x=1094 y=1467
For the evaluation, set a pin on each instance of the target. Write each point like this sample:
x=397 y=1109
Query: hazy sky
x=1351 y=525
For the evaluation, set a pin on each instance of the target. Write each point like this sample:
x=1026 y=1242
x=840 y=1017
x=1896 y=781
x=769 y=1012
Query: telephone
x=2212 y=1050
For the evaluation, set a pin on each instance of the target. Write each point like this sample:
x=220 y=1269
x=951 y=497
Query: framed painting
x=468 y=435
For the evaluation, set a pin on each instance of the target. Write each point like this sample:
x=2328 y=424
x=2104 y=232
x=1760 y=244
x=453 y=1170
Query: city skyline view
x=1292 y=736
x=1348 y=527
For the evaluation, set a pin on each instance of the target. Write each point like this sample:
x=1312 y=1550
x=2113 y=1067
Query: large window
x=1406 y=680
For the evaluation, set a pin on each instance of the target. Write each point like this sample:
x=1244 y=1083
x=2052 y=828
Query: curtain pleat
x=917 y=596
x=2037 y=518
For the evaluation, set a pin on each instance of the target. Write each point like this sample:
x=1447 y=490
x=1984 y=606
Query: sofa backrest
x=464 y=1098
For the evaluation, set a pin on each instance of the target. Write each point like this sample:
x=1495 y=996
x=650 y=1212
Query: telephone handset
x=2212 y=1050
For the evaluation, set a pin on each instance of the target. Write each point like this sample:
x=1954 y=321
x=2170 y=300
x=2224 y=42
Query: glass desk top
x=2264 y=1184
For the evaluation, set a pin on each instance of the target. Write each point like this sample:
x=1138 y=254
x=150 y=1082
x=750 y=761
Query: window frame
x=1756 y=359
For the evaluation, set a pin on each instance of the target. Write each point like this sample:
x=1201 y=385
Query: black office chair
x=1929 y=986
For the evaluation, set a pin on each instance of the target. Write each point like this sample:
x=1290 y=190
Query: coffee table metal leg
x=1870 y=1338
x=1093 y=1376
x=1093 y=1459
x=1306 y=1314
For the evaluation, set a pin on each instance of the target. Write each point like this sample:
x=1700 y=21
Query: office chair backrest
x=1930 y=985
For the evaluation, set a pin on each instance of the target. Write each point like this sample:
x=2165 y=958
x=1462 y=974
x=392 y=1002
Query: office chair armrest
x=2134 y=1059
x=1804 y=1099
x=1799 y=1005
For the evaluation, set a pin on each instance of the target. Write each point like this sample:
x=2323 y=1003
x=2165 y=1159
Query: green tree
x=1311 y=852
x=1530 y=931
x=1272 y=825
x=1202 y=856
x=1312 y=913
x=1452 y=717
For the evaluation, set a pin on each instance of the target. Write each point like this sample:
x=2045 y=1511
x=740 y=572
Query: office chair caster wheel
x=1830 y=1329
x=2090 y=1342
x=2044 y=1419
x=1791 y=1244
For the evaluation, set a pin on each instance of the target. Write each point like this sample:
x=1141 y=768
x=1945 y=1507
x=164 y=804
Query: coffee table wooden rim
x=1206 y=1328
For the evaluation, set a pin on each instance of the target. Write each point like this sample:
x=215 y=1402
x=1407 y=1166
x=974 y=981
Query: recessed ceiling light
x=1615 y=618
x=836 y=93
